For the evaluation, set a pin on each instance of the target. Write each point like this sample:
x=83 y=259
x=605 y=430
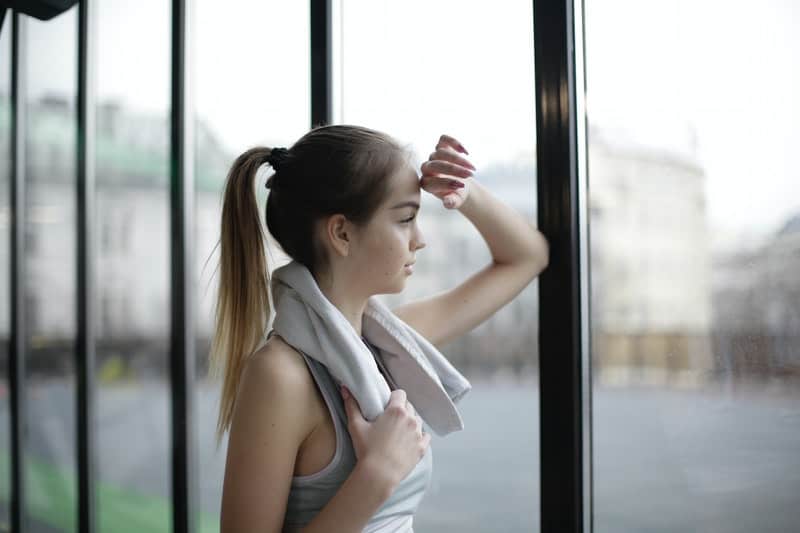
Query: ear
x=338 y=232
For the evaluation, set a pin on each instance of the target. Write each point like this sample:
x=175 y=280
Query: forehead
x=404 y=185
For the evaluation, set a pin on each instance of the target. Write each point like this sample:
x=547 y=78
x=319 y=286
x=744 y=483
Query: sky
x=658 y=74
x=729 y=70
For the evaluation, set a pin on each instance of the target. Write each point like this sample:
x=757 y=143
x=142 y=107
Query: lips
x=409 y=264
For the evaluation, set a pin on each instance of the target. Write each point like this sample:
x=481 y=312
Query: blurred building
x=757 y=307
x=650 y=257
x=652 y=290
x=132 y=227
x=133 y=230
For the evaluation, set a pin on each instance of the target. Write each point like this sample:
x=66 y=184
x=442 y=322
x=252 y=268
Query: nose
x=418 y=241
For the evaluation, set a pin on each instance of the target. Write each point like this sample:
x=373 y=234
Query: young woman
x=343 y=202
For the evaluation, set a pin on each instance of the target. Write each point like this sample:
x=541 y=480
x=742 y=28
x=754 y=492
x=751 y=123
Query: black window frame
x=565 y=386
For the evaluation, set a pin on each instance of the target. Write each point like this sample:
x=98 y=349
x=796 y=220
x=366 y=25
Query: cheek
x=389 y=242
x=388 y=260
x=389 y=254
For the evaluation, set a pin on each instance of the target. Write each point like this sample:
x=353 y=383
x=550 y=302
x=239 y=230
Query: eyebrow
x=406 y=204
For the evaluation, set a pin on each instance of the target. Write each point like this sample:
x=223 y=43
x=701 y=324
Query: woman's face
x=391 y=239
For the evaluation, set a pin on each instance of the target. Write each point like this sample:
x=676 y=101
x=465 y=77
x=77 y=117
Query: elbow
x=535 y=264
x=545 y=256
x=540 y=254
x=540 y=264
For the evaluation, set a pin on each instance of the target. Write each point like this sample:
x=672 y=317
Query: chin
x=396 y=289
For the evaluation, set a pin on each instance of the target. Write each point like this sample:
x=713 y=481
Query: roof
x=130 y=148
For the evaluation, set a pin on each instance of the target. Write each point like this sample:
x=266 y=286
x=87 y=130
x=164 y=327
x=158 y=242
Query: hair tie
x=275 y=159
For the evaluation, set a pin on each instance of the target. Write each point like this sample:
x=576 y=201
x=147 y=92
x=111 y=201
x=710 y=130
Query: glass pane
x=695 y=249
x=50 y=65
x=268 y=104
x=416 y=70
x=133 y=265
x=5 y=264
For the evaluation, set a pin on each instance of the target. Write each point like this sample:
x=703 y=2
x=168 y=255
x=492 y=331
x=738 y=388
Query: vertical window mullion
x=85 y=355
x=182 y=338
x=582 y=152
x=565 y=428
x=321 y=59
x=18 y=312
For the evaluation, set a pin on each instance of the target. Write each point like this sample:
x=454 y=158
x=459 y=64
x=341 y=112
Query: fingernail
x=345 y=392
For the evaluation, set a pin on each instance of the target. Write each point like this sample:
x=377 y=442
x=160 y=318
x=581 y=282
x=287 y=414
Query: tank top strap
x=328 y=388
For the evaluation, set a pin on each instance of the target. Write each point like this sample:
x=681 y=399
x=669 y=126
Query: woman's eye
x=408 y=219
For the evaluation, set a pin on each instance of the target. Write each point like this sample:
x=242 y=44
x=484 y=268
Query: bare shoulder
x=279 y=367
x=277 y=359
x=272 y=416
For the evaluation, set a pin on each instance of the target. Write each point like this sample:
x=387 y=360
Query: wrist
x=475 y=190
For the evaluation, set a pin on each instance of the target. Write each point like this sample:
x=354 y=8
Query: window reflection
x=695 y=242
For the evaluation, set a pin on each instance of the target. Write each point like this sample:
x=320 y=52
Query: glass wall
x=416 y=70
x=695 y=250
x=695 y=246
x=5 y=262
x=132 y=110
x=251 y=87
x=50 y=67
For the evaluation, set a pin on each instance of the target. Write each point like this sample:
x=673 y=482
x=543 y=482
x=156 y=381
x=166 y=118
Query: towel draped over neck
x=307 y=320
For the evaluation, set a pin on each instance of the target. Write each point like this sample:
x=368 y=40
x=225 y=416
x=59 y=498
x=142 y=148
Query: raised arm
x=519 y=251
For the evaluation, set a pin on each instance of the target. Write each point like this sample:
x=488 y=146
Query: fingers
x=418 y=419
x=448 y=154
x=443 y=184
x=351 y=408
x=451 y=200
x=446 y=161
x=413 y=411
x=437 y=166
x=447 y=140
x=397 y=397
x=451 y=196
x=426 y=439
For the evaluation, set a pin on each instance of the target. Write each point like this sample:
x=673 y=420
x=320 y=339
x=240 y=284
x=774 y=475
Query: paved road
x=665 y=461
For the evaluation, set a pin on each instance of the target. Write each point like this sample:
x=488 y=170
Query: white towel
x=307 y=320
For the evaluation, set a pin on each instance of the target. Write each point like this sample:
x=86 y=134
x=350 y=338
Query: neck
x=350 y=303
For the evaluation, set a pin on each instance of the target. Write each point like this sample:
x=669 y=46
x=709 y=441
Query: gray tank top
x=309 y=494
